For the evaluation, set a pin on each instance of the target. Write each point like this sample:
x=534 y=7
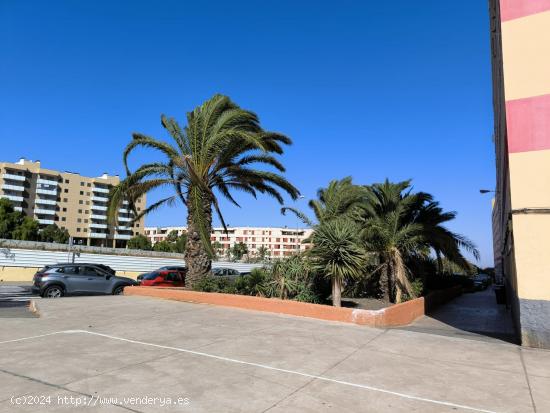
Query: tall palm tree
x=214 y=154
x=401 y=226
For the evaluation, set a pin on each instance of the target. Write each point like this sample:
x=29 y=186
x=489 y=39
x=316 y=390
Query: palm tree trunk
x=336 y=292
x=197 y=259
x=439 y=263
x=384 y=282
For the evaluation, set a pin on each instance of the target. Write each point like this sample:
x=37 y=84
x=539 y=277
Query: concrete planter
x=396 y=315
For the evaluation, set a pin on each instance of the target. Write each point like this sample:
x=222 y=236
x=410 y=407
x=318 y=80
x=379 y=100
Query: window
x=78 y=230
x=80 y=211
x=81 y=192
x=85 y=229
x=87 y=202
x=90 y=271
x=66 y=181
x=87 y=193
x=89 y=184
x=65 y=200
x=64 y=209
x=86 y=220
x=79 y=220
x=137 y=225
x=81 y=183
x=171 y=277
x=66 y=190
x=63 y=219
x=80 y=201
x=67 y=270
x=87 y=212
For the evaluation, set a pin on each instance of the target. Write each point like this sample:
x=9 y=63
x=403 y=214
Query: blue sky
x=370 y=89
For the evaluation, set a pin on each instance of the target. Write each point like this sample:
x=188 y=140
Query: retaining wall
x=396 y=315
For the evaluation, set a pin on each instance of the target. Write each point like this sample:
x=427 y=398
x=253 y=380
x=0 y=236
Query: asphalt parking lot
x=120 y=353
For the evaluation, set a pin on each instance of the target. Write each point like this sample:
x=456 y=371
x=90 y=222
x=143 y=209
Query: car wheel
x=118 y=290
x=54 y=291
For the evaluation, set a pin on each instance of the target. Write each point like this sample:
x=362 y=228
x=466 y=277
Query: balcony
x=46 y=221
x=96 y=198
x=46 y=191
x=47 y=181
x=44 y=211
x=99 y=217
x=18 y=208
x=100 y=189
x=14 y=177
x=98 y=235
x=45 y=201
x=99 y=207
x=13 y=198
x=122 y=236
x=101 y=226
x=124 y=219
x=12 y=187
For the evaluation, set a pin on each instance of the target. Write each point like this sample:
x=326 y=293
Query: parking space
x=140 y=354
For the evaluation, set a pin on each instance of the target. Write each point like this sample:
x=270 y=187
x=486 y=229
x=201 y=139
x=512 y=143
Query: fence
x=18 y=254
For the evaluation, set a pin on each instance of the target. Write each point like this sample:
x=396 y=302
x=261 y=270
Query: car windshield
x=150 y=276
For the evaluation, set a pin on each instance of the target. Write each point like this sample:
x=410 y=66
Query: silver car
x=57 y=280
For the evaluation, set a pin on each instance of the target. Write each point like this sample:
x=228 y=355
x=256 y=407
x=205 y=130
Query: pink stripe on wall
x=528 y=124
x=514 y=9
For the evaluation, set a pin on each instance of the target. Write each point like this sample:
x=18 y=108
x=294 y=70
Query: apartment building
x=68 y=200
x=280 y=242
x=520 y=40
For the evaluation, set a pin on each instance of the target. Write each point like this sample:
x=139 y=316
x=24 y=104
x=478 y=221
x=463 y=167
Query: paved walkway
x=106 y=350
x=474 y=315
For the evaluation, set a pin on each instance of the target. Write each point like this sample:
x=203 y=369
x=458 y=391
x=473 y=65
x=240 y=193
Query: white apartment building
x=280 y=242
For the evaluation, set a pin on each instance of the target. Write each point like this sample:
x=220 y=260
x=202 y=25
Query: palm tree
x=401 y=226
x=211 y=156
x=335 y=250
x=341 y=198
x=337 y=254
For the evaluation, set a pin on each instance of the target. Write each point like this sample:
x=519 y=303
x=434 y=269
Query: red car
x=163 y=278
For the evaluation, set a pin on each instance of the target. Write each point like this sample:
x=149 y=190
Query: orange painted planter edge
x=396 y=315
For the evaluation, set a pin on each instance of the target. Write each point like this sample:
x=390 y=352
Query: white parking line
x=262 y=366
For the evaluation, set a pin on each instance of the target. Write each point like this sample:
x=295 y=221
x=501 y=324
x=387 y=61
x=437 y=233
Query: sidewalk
x=473 y=315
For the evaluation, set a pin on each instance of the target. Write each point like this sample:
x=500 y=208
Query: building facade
x=70 y=201
x=280 y=242
x=520 y=41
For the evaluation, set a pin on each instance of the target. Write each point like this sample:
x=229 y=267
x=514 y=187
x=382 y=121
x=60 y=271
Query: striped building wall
x=521 y=217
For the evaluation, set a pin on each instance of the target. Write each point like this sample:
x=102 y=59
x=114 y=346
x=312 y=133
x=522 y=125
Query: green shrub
x=417 y=290
x=253 y=283
x=307 y=294
x=213 y=284
x=288 y=279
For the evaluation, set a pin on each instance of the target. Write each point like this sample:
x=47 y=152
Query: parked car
x=225 y=272
x=54 y=281
x=481 y=281
x=163 y=278
x=181 y=270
